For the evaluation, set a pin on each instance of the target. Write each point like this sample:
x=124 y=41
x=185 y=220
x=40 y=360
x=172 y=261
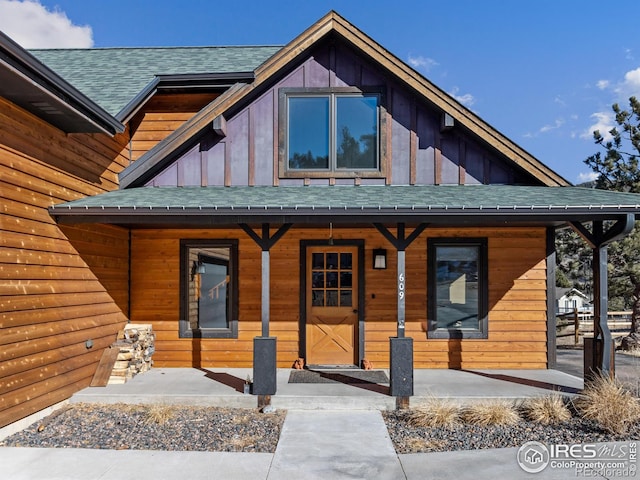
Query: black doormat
x=342 y=376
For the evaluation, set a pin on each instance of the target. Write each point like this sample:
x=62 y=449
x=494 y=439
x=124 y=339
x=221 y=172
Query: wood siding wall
x=51 y=301
x=160 y=116
x=417 y=151
x=517 y=299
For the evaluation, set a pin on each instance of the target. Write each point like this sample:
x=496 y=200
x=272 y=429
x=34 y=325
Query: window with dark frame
x=330 y=132
x=209 y=289
x=458 y=288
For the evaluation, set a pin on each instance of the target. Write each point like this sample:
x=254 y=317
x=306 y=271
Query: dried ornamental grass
x=159 y=414
x=488 y=413
x=609 y=403
x=435 y=412
x=419 y=444
x=547 y=410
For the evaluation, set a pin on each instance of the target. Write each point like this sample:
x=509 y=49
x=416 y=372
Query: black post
x=401 y=370
x=264 y=369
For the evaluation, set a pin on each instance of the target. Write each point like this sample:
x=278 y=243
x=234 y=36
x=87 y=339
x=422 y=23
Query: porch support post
x=401 y=243
x=600 y=361
x=551 y=298
x=265 y=293
x=265 y=347
x=598 y=351
x=265 y=242
x=401 y=348
x=401 y=293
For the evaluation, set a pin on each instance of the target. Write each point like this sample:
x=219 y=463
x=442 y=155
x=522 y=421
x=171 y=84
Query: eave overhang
x=438 y=205
x=179 y=83
x=31 y=85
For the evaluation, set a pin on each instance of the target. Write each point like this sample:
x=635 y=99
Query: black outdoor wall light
x=379 y=259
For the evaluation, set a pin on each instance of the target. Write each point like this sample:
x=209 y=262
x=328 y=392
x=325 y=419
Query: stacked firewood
x=135 y=344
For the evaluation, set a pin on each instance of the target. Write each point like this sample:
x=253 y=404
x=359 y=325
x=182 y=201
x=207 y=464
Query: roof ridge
x=169 y=47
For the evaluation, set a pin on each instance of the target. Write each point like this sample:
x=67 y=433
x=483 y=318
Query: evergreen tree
x=617 y=169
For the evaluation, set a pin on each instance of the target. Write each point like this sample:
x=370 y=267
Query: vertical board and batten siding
x=418 y=152
x=54 y=295
x=517 y=299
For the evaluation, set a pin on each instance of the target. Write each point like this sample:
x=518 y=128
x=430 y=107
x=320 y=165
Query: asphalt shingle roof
x=442 y=200
x=112 y=77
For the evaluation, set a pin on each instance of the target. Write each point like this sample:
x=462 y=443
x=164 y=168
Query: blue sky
x=544 y=73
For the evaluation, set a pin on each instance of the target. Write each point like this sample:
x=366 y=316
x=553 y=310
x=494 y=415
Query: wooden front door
x=332 y=305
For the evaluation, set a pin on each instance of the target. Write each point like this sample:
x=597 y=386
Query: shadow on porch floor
x=224 y=388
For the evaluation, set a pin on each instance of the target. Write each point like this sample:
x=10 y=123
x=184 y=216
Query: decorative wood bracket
x=599 y=237
x=400 y=242
x=264 y=241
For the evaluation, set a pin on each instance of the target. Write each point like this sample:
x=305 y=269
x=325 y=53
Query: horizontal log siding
x=105 y=249
x=162 y=115
x=50 y=300
x=517 y=299
x=517 y=305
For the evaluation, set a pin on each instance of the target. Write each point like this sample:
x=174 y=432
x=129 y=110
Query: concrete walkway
x=321 y=445
x=325 y=445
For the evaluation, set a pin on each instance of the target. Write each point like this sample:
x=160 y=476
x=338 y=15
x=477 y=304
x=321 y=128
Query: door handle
x=355 y=310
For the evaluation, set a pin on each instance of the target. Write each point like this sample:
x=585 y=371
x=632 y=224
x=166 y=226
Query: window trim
x=332 y=172
x=185 y=331
x=433 y=332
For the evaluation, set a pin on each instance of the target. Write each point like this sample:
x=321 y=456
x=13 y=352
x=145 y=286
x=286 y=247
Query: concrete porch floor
x=223 y=387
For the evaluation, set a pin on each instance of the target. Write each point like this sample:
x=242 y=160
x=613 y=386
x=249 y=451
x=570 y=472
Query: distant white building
x=568 y=299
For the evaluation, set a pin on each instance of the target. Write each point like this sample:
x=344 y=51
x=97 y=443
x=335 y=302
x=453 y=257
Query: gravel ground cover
x=244 y=430
x=409 y=439
x=141 y=427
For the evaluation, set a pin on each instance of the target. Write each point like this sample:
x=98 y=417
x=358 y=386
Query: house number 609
x=401 y=286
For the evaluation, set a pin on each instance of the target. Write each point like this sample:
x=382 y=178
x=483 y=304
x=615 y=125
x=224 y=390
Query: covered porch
x=223 y=387
x=265 y=216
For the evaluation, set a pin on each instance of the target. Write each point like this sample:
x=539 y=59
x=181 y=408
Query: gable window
x=332 y=132
x=209 y=289
x=457 y=288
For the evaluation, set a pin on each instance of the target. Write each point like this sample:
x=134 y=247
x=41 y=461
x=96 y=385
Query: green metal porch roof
x=444 y=204
x=112 y=77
